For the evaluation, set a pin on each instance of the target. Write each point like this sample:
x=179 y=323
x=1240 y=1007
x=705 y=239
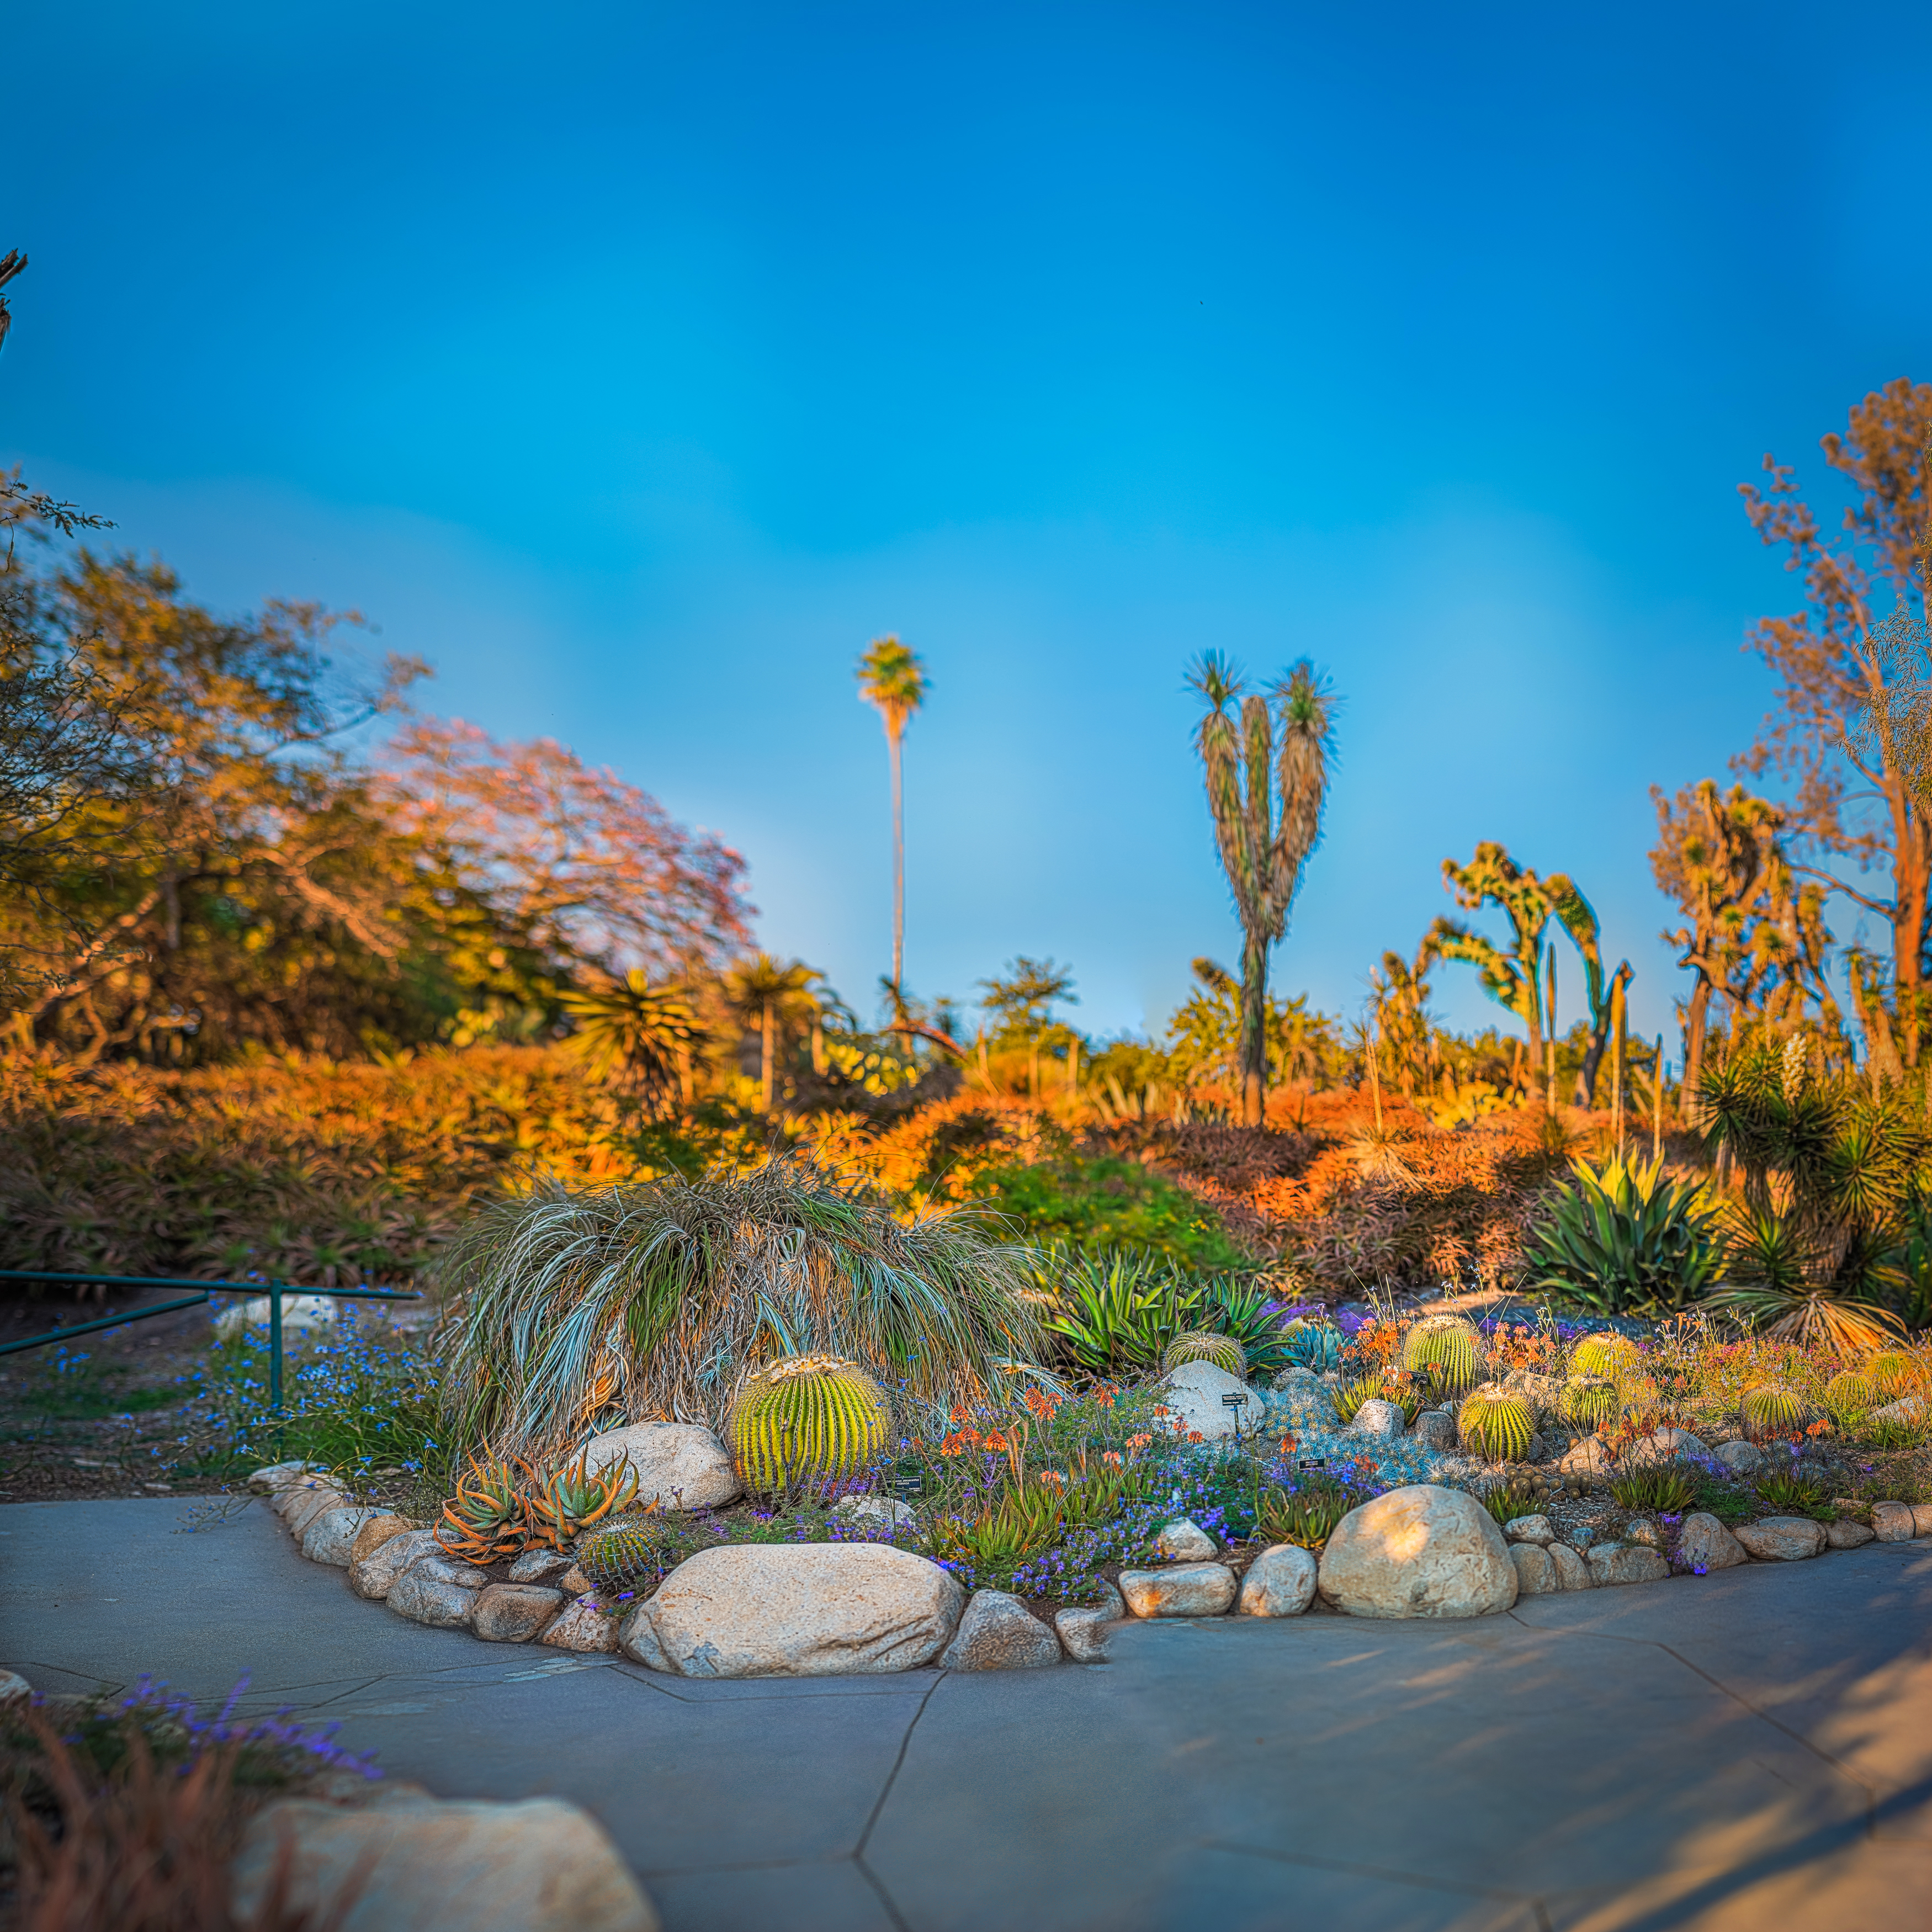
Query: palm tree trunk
x=1254 y=1030
x=767 y=1056
x=898 y=866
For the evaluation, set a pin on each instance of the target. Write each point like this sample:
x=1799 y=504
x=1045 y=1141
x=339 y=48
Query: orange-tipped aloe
x=487 y=1519
x=573 y=1499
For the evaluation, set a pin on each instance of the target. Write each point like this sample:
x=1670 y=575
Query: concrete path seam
x=1354 y=1869
x=889 y=1904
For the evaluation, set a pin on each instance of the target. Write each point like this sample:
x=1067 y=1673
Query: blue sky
x=638 y=365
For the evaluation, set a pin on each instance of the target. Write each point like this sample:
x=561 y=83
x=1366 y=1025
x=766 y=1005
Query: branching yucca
x=667 y=1291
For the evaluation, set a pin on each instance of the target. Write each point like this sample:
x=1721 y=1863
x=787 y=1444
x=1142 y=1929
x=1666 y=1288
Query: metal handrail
x=273 y=1290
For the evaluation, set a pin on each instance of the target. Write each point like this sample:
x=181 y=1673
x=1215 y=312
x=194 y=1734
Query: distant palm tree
x=768 y=994
x=640 y=1034
x=892 y=677
x=1267 y=768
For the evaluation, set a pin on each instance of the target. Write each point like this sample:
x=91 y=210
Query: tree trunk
x=1695 y=1016
x=1073 y=1069
x=1584 y=1094
x=768 y=1056
x=898 y=868
x=1254 y=1031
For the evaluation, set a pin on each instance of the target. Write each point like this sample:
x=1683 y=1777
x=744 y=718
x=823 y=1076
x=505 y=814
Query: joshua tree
x=1514 y=978
x=768 y=994
x=892 y=677
x=1267 y=768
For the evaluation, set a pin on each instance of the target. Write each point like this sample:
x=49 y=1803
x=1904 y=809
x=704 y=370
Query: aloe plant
x=1623 y=1238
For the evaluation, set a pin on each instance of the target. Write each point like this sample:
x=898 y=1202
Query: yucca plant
x=573 y=1497
x=684 y=1285
x=1769 y=1412
x=487 y=1519
x=1449 y=1346
x=808 y=1420
x=1497 y=1427
x=1205 y=1345
x=1622 y=1238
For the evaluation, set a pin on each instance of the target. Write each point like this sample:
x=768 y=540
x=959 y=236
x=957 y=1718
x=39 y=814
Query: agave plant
x=1314 y=1346
x=1116 y=1313
x=689 y=1284
x=1623 y=1238
x=1020 y=1521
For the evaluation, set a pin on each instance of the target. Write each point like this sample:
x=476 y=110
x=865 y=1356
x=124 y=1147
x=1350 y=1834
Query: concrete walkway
x=1745 y=1751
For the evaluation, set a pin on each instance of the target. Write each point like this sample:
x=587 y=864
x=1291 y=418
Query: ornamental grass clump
x=577 y=1305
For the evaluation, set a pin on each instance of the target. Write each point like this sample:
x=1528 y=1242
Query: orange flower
x=995 y=1443
x=1195 y=1436
x=1111 y=1455
x=1139 y=1441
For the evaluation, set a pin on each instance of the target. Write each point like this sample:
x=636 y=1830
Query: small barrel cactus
x=1851 y=1394
x=1769 y=1412
x=1588 y=1402
x=1203 y=1344
x=1315 y=1346
x=623 y=1555
x=1448 y=1345
x=1498 y=1427
x=1892 y=1371
x=1604 y=1356
x=806 y=1419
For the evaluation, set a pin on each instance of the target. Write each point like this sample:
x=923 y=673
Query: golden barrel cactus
x=1893 y=1372
x=1851 y=1394
x=1448 y=1345
x=807 y=1419
x=1612 y=1356
x=1203 y=1344
x=1588 y=1402
x=1769 y=1412
x=1497 y=1427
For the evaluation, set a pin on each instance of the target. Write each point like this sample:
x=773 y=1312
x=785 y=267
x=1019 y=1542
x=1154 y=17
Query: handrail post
x=275 y=1348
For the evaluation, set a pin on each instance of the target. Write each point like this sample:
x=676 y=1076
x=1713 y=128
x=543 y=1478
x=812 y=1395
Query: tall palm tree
x=892 y=677
x=1266 y=756
x=769 y=994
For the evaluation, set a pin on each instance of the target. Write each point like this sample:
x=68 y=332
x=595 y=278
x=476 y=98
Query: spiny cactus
x=1603 y=1355
x=623 y=1555
x=1851 y=1394
x=1449 y=1346
x=1588 y=1402
x=1893 y=1372
x=1203 y=1345
x=1316 y=1345
x=1772 y=1412
x=1496 y=1426
x=806 y=1419
x=485 y=1520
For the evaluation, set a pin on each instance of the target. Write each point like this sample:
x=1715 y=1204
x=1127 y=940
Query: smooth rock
x=801 y=1609
x=1586 y=1458
x=1893 y=1522
x=278 y=1476
x=1705 y=1544
x=1419 y=1551
x=1741 y=1458
x=1611 y=1563
x=679 y=1465
x=574 y=1583
x=331 y=1536
x=1378 y=1418
x=1844 y=1534
x=376 y=1530
x=302 y=1315
x=876 y=1515
x=428 y=1600
x=1921 y=1518
x=1907 y=1412
x=584 y=1624
x=538 y=1566
x=1435 y=1428
x=997 y=1632
x=1782 y=1539
x=1535 y=1570
x=513 y=1612
x=439 y=1567
x=1530 y=1529
x=14 y=1689
x=1664 y=1445
x=1192 y=1396
x=302 y=1501
x=1641 y=1529
x=1112 y=1604
x=376 y=1575
x=1280 y=1582
x=1082 y=1631
x=1185 y=1542
x=540 y=1865
x=1187 y=1590
x=1572 y=1572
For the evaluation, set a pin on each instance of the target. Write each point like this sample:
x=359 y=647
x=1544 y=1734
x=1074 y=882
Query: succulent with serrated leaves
x=486 y=1519
x=572 y=1498
x=1769 y=1412
x=1499 y=1427
x=805 y=1420
x=1203 y=1345
x=1315 y=1346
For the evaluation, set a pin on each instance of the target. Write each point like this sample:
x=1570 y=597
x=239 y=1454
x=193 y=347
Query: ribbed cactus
x=1893 y=1371
x=1772 y=1412
x=806 y=1419
x=1603 y=1355
x=625 y=1554
x=1316 y=1345
x=1851 y=1394
x=1203 y=1345
x=1449 y=1346
x=1496 y=1426
x=1588 y=1402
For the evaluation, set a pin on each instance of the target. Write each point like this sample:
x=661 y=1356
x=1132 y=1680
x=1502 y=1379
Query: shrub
x=1622 y=1239
x=1105 y=1203
x=653 y=1298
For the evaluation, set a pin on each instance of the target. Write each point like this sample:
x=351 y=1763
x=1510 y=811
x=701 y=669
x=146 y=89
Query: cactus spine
x=806 y=1419
x=1604 y=1355
x=1202 y=1345
x=1447 y=1344
x=1588 y=1402
x=1497 y=1427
